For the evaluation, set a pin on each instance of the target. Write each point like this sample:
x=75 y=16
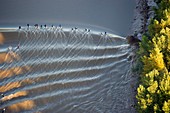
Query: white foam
x=67 y=29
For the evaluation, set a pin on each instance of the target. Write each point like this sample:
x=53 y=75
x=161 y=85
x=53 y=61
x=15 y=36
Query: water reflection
x=1 y=39
x=6 y=73
x=25 y=105
x=7 y=58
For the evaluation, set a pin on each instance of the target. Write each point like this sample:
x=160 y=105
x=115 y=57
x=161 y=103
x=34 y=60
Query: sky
x=113 y=15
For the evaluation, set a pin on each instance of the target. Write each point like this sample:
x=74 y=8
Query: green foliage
x=145 y=46
x=147 y=92
x=163 y=5
x=153 y=93
x=166 y=106
x=153 y=61
x=138 y=67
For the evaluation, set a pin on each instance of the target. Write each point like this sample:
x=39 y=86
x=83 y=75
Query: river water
x=65 y=71
x=115 y=15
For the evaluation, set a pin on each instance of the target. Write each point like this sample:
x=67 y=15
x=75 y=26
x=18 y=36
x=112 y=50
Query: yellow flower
x=152 y=89
x=166 y=107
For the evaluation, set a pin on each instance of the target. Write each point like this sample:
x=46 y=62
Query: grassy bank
x=153 y=93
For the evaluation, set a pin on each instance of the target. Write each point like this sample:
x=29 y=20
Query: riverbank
x=153 y=91
x=143 y=13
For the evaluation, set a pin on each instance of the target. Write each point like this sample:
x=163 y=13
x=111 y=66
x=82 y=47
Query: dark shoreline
x=142 y=16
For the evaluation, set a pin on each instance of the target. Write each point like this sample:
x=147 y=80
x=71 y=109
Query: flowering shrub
x=153 y=93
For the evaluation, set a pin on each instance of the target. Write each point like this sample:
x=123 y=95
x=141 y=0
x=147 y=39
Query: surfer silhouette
x=36 y=25
x=28 y=25
x=2 y=95
x=18 y=46
x=3 y=110
x=10 y=48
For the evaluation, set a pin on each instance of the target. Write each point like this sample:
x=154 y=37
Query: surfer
x=18 y=46
x=105 y=33
x=3 y=110
x=10 y=48
x=28 y=25
x=2 y=95
x=60 y=27
x=36 y=25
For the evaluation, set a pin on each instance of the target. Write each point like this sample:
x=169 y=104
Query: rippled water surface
x=56 y=71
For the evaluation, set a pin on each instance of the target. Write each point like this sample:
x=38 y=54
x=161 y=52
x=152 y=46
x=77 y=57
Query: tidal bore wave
x=57 y=71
